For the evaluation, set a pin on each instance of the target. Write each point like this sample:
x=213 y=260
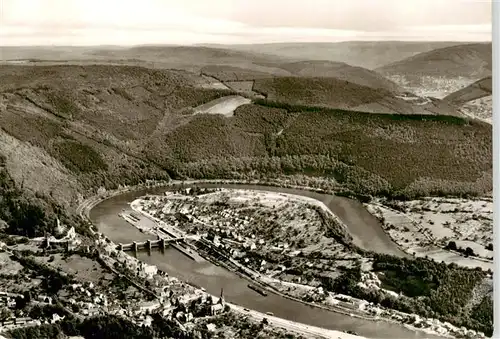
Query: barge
x=258 y=290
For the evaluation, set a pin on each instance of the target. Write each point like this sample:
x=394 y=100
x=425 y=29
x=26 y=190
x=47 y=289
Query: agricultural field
x=435 y=227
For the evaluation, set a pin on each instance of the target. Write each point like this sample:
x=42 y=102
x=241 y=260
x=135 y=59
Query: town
x=275 y=239
x=89 y=280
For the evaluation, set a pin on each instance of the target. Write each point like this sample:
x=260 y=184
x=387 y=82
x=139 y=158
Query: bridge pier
x=135 y=246
x=120 y=247
x=148 y=244
x=162 y=243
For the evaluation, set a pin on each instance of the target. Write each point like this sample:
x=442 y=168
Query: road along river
x=364 y=227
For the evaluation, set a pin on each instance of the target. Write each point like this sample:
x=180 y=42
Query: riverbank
x=86 y=205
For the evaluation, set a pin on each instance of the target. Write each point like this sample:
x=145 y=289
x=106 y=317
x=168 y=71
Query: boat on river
x=258 y=290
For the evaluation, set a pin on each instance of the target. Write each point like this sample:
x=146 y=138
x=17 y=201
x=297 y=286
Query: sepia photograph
x=248 y=169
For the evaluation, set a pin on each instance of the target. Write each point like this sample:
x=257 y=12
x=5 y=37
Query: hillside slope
x=340 y=94
x=228 y=73
x=91 y=120
x=367 y=54
x=477 y=90
x=474 y=100
x=372 y=153
x=468 y=60
x=341 y=71
x=82 y=128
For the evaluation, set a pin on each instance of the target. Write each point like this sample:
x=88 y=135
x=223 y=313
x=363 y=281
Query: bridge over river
x=149 y=244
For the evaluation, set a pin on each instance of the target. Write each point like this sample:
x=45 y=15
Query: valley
x=349 y=183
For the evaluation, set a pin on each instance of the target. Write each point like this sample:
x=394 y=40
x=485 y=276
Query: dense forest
x=378 y=154
x=30 y=215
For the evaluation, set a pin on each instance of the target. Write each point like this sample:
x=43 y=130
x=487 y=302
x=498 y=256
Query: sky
x=132 y=22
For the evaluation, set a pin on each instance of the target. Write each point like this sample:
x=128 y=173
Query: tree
x=469 y=252
x=5 y=313
x=21 y=302
x=452 y=246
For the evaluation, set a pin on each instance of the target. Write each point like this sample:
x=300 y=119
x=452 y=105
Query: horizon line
x=205 y=44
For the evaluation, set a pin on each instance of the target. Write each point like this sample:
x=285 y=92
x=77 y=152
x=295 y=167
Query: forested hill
x=84 y=127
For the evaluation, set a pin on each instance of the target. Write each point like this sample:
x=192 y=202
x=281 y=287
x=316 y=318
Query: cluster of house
x=434 y=325
x=9 y=299
x=10 y=324
x=437 y=326
x=17 y=322
x=183 y=210
x=95 y=303
x=141 y=312
x=216 y=307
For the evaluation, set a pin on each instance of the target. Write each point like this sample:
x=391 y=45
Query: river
x=366 y=231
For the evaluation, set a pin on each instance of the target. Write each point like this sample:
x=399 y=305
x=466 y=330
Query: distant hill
x=233 y=73
x=477 y=90
x=341 y=71
x=191 y=58
x=302 y=69
x=341 y=94
x=367 y=54
x=474 y=100
x=47 y=52
x=468 y=60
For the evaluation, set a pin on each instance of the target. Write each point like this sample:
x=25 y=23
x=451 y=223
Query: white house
x=91 y=312
x=150 y=270
x=211 y=327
